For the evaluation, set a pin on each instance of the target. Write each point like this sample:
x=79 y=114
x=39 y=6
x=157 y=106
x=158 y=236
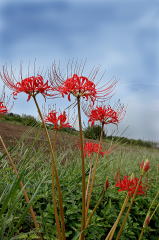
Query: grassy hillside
x=23 y=121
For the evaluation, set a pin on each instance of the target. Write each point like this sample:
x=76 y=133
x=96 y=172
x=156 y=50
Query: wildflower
x=57 y=121
x=91 y=148
x=130 y=185
x=30 y=85
x=4 y=102
x=145 y=165
x=78 y=85
x=3 y=108
x=106 y=115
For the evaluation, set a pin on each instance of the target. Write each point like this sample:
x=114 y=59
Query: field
x=28 y=148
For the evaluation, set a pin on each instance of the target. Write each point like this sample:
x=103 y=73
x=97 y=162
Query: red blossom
x=31 y=85
x=79 y=85
x=129 y=185
x=106 y=115
x=57 y=121
x=145 y=165
x=91 y=148
x=4 y=102
x=3 y=108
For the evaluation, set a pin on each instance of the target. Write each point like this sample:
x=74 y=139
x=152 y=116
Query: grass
x=33 y=163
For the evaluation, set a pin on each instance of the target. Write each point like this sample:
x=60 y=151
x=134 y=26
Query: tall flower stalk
x=105 y=115
x=54 y=175
x=112 y=231
x=93 y=174
x=80 y=87
x=83 y=170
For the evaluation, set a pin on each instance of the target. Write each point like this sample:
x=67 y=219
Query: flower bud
x=147 y=221
x=145 y=165
x=106 y=184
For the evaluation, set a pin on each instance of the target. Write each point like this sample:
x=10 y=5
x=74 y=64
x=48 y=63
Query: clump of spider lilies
x=81 y=89
x=133 y=186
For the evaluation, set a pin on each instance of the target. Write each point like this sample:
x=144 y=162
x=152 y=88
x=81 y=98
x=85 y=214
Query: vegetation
x=26 y=120
x=93 y=132
x=34 y=167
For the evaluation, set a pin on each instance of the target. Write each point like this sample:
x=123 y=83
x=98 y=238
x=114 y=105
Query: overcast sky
x=120 y=35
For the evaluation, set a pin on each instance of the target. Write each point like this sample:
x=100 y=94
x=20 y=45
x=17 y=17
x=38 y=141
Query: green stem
x=148 y=214
x=154 y=211
x=93 y=174
x=82 y=237
x=111 y=232
x=89 y=179
x=54 y=174
x=95 y=208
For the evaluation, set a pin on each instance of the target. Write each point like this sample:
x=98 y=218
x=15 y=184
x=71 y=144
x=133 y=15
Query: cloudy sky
x=120 y=35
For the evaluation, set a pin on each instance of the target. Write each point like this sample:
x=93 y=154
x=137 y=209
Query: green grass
x=34 y=166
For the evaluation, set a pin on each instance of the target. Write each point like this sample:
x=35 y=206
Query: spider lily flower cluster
x=58 y=121
x=105 y=114
x=91 y=148
x=3 y=108
x=32 y=85
x=129 y=184
x=3 y=103
x=78 y=86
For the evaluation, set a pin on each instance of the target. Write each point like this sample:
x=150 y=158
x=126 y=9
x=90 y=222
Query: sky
x=121 y=36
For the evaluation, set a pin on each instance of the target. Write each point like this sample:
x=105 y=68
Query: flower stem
x=128 y=211
x=33 y=215
x=94 y=173
x=150 y=215
x=89 y=180
x=54 y=174
x=111 y=232
x=95 y=208
x=83 y=172
x=54 y=193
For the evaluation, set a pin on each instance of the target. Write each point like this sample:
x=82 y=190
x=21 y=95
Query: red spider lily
x=91 y=148
x=4 y=102
x=57 y=121
x=79 y=85
x=130 y=185
x=106 y=115
x=3 y=108
x=145 y=165
x=31 y=85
